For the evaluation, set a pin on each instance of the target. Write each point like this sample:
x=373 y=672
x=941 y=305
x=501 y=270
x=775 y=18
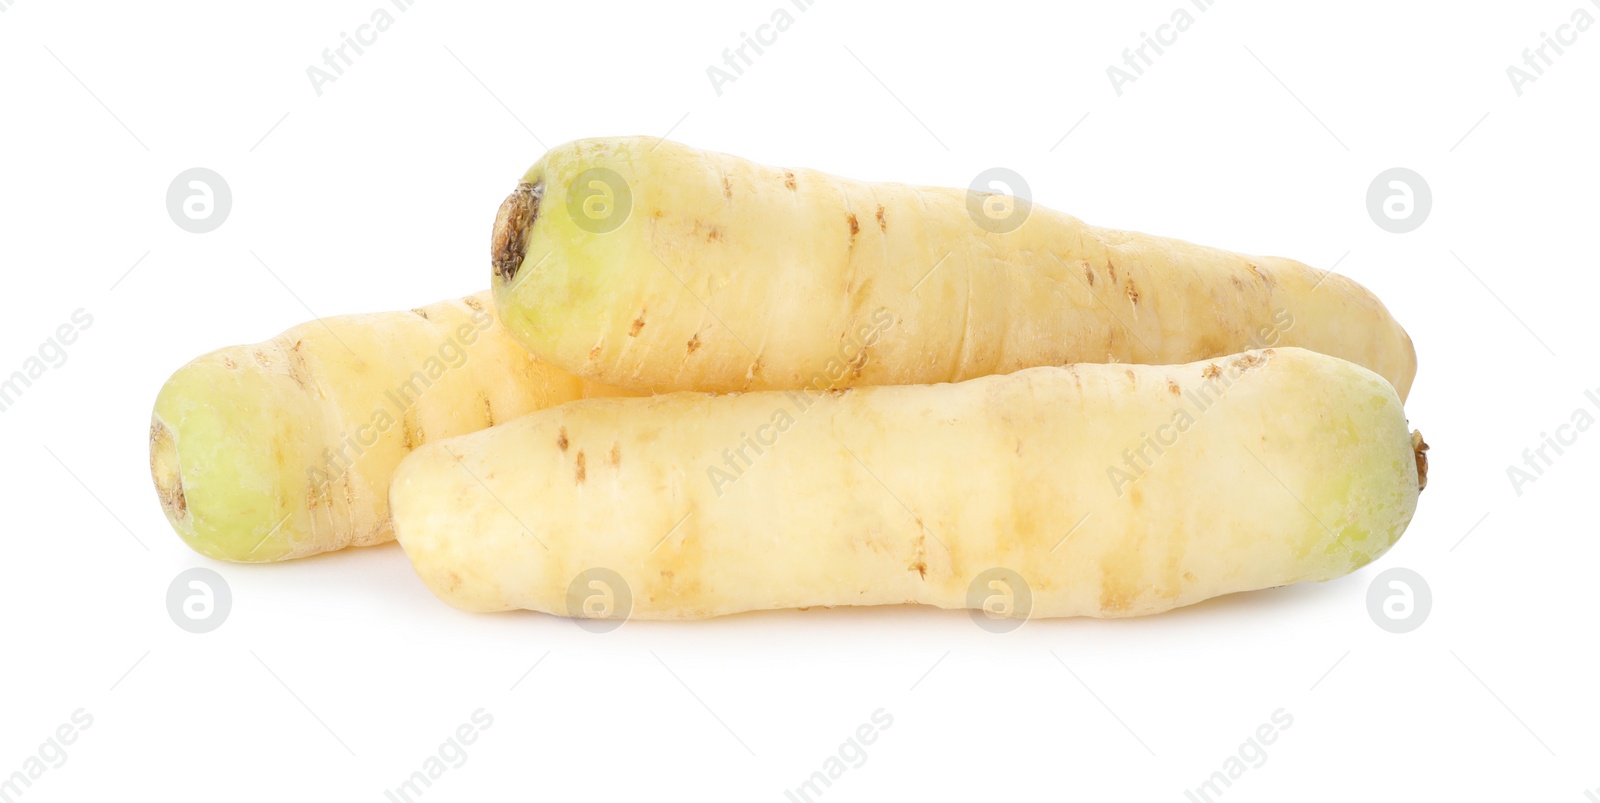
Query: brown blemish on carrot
x=694 y=343
x=858 y=362
x=227 y=362
x=1172 y=387
x=583 y=471
x=262 y=360
x=488 y=409
x=298 y=370
x=638 y=323
x=472 y=304
x=411 y=435
x=1237 y=285
x=1132 y=377
x=883 y=225
x=594 y=353
x=420 y=314
x=855 y=228
x=561 y=439
x=615 y=455
x=1122 y=569
x=727 y=188
x=1133 y=292
x=1246 y=361
x=788 y=179
x=714 y=235
x=1211 y=371
x=1112 y=270
x=1419 y=448
x=1115 y=598
x=1088 y=274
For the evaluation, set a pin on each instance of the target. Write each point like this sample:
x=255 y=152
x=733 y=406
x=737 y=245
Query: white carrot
x=1109 y=490
x=651 y=265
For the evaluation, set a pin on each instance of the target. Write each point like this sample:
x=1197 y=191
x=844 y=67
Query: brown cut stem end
x=512 y=225
x=166 y=472
x=1419 y=447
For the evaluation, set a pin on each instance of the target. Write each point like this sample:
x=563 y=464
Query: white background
x=334 y=678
